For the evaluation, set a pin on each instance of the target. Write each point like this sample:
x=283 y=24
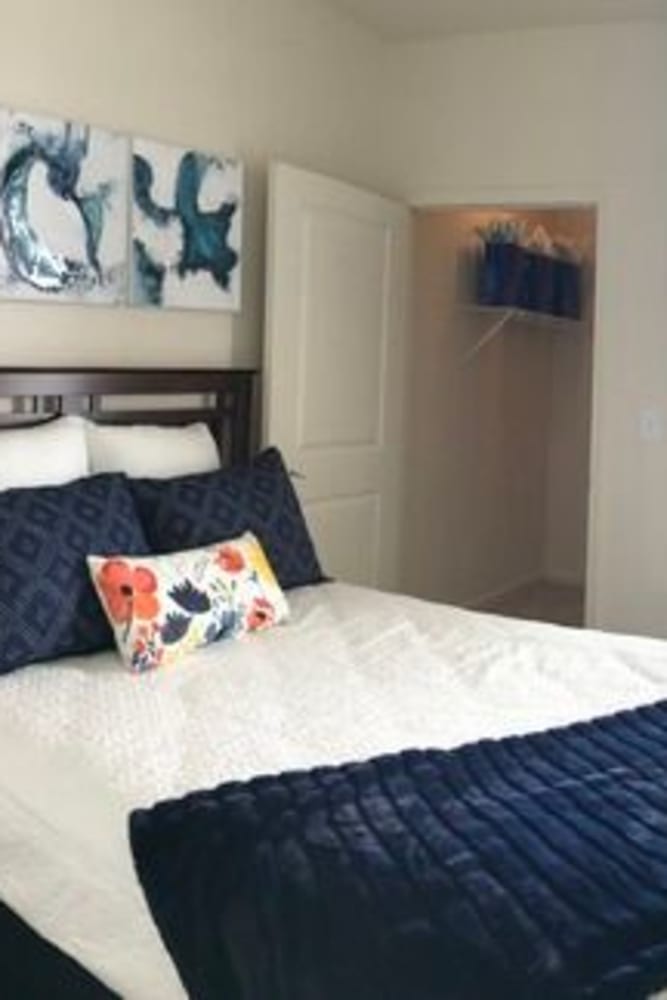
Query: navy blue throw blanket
x=531 y=868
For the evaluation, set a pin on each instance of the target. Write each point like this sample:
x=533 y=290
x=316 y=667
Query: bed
x=121 y=396
x=354 y=676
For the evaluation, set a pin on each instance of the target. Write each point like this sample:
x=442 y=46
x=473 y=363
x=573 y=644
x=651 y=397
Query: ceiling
x=411 y=19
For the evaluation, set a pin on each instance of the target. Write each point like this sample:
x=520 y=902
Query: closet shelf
x=500 y=317
x=516 y=315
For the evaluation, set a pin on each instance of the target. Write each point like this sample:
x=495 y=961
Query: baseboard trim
x=494 y=595
x=564 y=580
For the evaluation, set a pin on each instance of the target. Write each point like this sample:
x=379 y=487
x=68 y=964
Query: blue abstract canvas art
x=63 y=210
x=186 y=228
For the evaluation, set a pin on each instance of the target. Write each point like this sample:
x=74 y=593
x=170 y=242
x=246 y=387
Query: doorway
x=498 y=494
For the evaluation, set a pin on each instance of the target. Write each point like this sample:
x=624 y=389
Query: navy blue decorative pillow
x=191 y=511
x=48 y=606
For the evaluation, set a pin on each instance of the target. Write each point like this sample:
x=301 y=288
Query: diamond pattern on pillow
x=191 y=511
x=48 y=607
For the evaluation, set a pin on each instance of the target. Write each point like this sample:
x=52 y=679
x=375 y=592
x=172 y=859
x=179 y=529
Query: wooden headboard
x=37 y=394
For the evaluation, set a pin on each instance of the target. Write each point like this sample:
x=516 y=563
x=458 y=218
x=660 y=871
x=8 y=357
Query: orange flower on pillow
x=128 y=592
x=261 y=614
x=230 y=558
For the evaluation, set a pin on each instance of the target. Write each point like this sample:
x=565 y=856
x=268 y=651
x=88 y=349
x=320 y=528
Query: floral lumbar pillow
x=161 y=607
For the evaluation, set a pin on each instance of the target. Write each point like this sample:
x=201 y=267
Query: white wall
x=255 y=78
x=572 y=110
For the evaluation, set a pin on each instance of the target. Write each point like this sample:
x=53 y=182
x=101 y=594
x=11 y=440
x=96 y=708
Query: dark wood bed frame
x=38 y=394
x=31 y=967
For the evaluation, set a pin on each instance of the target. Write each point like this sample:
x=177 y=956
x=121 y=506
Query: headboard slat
x=226 y=406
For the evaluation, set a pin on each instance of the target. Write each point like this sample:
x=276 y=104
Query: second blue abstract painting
x=186 y=228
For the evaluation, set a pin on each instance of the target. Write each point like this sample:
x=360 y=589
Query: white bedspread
x=355 y=673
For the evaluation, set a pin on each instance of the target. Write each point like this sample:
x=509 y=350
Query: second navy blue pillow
x=48 y=607
x=190 y=511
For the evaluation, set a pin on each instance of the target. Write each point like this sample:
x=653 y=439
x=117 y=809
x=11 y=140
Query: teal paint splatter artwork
x=63 y=210
x=186 y=228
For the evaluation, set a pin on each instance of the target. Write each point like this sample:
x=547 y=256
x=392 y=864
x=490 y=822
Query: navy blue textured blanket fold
x=532 y=868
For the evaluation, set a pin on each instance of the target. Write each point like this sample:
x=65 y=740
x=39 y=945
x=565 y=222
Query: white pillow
x=142 y=450
x=47 y=455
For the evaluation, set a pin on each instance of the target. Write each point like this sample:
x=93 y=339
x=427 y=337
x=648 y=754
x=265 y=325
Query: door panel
x=343 y=332
x=346 y=530
x=335 y=364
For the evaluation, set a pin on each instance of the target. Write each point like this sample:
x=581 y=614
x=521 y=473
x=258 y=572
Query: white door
x=335 y=365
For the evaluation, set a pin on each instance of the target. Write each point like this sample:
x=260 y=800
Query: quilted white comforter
x=353 y=674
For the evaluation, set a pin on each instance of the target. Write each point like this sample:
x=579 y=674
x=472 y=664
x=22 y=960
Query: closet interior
x=501 y=409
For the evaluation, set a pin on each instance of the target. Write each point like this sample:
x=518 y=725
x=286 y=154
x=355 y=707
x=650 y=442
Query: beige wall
x=568 y=471
x=498 y=485
x=254 y=78
x=563 y=110
x=572 y=111
x=479 y=432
